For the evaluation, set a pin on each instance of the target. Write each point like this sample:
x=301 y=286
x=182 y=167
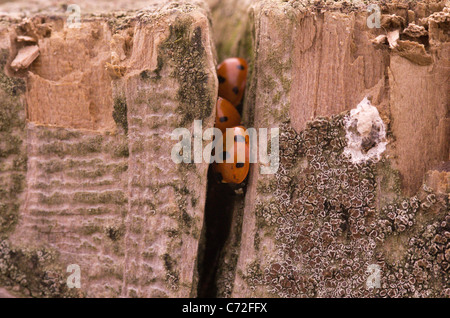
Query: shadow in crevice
x=220 y=200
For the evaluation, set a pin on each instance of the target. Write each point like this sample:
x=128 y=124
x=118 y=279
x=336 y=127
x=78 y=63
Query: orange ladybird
x=232 y=75
x=227 y=115
x=236 y=171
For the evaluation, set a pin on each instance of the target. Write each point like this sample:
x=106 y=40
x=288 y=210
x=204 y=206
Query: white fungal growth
x=365 y=133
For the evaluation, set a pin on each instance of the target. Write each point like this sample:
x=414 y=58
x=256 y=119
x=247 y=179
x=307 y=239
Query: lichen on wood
x=184 y=49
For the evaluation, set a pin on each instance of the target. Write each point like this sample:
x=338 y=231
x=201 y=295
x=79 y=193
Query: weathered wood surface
x=99 y=187
x=86 y=176
x=315 y=227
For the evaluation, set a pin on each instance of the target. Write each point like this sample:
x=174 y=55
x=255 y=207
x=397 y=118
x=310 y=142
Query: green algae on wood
x=120 y=113
x=184 y=50
x=34 y=271
x=13 y=158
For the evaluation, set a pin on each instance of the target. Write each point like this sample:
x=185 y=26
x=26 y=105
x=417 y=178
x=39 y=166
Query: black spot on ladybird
x=235 y=90
x=241 y=67
x=219 y=176
x=221 y=79
x=239 y=165
x=239 y=138
x=223 y=119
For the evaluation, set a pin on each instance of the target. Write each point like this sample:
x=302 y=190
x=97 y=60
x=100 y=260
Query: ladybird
x=232 y=75
x=227 y=115
x=237 y=170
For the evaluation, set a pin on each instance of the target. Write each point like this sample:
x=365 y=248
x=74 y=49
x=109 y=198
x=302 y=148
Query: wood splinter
x=25 y=57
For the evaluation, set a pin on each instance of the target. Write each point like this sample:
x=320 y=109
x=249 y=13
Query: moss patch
x=115 y=233
x=120 y=113
x=184 y=50
x=11 y=86
x=13 y=159
x=33 y=271
x=172 y=275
